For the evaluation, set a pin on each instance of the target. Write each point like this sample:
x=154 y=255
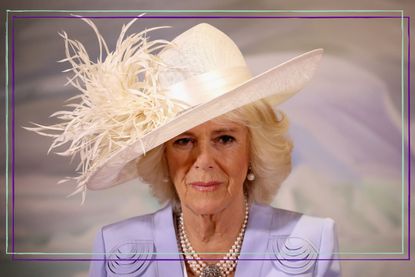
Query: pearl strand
x=228 y=262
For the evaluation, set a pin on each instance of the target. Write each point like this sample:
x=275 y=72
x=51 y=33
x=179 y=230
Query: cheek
x=241 y=167
x=176 y=163
x=237 y=163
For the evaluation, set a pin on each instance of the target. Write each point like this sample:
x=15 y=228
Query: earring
x=250 y=176
x=166 y=180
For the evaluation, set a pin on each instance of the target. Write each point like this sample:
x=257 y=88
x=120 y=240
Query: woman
x=199 y=129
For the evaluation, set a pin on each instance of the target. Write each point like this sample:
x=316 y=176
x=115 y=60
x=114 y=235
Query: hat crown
x=201 y=49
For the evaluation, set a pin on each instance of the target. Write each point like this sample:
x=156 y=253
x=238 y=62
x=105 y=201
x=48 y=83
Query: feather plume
x=120 y=100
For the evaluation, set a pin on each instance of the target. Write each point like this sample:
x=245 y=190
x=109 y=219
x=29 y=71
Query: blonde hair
x=270 y=152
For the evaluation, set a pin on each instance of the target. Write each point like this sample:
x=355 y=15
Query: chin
x=207 y=205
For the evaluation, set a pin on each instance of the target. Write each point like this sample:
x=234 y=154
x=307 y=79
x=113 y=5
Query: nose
x=204 y=156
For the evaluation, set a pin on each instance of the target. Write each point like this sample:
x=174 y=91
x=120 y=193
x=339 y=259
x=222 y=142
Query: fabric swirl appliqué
x=130 y=259
x=293 y=255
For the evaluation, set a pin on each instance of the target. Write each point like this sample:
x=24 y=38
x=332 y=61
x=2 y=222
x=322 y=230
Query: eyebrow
x=217 y=131
x=225 y=130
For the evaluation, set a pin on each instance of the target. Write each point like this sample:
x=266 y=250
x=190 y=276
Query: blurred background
x=346 y=126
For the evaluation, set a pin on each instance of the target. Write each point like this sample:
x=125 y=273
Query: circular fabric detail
x=294 y=255
x=130 y=258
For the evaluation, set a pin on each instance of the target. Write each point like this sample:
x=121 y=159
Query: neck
x=214 y=232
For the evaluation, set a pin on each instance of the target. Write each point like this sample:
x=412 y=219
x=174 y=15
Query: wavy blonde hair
x=270 y=152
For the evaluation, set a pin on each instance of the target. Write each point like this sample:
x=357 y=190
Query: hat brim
x=274 y=85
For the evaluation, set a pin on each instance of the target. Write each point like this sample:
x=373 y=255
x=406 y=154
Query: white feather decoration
x=120 y=100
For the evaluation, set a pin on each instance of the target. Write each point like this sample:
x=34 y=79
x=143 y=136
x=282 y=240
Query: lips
x=205 y=186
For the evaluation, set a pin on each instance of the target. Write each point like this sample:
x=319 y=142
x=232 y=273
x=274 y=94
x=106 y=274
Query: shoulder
x=129 y=225
x=135 y=229
x=286 y=221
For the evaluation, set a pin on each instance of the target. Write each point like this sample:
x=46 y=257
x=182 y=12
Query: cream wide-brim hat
x=216 y=81
x=203 y=74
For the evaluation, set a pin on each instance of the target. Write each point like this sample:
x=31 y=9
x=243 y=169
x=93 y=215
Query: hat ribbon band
x=207 y=86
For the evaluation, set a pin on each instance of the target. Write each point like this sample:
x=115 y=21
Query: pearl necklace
x=223 y=267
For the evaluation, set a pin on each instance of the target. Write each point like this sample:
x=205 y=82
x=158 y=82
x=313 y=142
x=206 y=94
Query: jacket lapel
x=166 y=243
x=255 y=241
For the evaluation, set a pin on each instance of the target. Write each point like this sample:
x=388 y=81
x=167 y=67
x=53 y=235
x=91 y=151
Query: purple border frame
x=210 y=17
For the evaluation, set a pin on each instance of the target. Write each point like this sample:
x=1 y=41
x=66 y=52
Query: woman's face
x=208 y=165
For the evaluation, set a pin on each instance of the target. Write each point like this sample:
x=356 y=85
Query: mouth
x=205 y=186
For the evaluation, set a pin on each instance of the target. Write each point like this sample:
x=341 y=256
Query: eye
x=183 y=141
x=225 y=139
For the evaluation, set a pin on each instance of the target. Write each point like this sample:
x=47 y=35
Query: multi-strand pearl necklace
x=223 y=267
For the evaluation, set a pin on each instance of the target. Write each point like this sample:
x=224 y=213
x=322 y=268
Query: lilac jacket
x=277 y=242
